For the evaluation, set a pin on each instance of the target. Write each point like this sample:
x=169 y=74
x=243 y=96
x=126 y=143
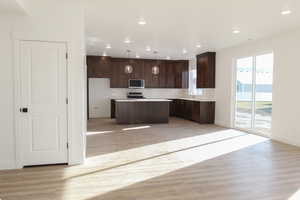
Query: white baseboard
x=7 y=166
x=286 y=141
x=223 y=124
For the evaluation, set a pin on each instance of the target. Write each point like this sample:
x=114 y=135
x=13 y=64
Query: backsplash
x=150 y=93
x=205 y=94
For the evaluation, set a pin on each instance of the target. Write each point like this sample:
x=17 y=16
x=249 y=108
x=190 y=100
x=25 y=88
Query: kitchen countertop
x=143 y=100
x=162 y=100
x=194 y=99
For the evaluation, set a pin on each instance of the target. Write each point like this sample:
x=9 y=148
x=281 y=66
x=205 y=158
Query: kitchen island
x=136 y=111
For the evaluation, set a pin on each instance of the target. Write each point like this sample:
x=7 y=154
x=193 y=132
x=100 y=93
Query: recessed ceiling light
x=142 y=22
x=236 y=31
x=108 y=46
x=148 y=48
x=184 y=51
x=137 y=56
x=168 y=57
x=198 y=45
x=127 y=41
x=286 y=12
x=104 y=54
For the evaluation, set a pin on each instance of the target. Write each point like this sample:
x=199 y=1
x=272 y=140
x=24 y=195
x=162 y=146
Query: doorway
x=253 y=93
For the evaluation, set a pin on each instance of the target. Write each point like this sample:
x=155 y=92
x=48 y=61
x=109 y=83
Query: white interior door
x=43 y=78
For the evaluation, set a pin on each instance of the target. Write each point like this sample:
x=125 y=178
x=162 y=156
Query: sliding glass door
x=253 y=102
x=244 y=93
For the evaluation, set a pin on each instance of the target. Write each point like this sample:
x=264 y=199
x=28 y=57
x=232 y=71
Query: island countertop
x=163 y=100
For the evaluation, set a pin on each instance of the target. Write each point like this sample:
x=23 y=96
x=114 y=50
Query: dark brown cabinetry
x=179 y=108
x=196 y=111
x=207 y=112
x=181 y=74
x=173 y=107
x=136 y=112
x=151 y=80
x=202 y=112
x=138 y=69
x=99 y=67
x=199 y=111
x=169 y=74
x=172 y=74
x=112 y=108
x=206 y=70
x=119 y=78
x=184 y=109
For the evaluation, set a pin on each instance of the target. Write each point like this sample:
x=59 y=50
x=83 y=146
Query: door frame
x=17 y=99
x=233 y=96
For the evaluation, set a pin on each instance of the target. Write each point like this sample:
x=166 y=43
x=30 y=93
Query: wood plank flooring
x=181 y=160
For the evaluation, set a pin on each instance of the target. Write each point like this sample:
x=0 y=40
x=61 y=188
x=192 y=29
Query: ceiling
x=174 y=25
x=12 y=6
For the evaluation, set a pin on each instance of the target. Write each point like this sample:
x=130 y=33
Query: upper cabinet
x=181 y=74
x=151 y=80
x=99 y=67
x=168 y=74
x=119 y=78
x=206 y=70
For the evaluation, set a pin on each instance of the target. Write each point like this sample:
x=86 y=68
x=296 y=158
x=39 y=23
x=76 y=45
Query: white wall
x=7 y=154
x=49 y=20
x=286 y=95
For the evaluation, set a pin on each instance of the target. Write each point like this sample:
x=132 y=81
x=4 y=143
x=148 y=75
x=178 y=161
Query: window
x=193 y=90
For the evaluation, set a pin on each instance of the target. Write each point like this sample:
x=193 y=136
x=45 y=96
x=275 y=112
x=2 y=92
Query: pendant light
x=128 y=68
x=155 y=68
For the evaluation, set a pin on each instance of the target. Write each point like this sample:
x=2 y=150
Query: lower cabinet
x=112 y=108
x=196 y=111
x=199 y=111
x=207 y=112
x=173 y=107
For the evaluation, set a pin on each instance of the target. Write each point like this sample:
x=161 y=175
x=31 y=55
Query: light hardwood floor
x=181 y=160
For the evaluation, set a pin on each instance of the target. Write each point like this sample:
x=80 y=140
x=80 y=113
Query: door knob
x=24 y=110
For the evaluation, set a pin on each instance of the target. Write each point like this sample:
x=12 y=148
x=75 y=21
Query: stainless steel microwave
x=136 y=83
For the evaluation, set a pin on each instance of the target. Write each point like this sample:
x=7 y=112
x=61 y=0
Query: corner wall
x=286 y=95
x=49 y=20
x=7 y=140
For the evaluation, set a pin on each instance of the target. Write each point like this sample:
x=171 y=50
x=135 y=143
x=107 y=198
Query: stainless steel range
x=135 y=95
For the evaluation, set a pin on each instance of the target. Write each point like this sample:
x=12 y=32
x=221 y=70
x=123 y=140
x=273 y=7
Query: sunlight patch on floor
x=124 y=129
x=97 y=132
x=295 y=196
x=157 y=160
x=136 y=128
x=168 y=146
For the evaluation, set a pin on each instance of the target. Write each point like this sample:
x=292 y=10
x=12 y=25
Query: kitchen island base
x=137 y=112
